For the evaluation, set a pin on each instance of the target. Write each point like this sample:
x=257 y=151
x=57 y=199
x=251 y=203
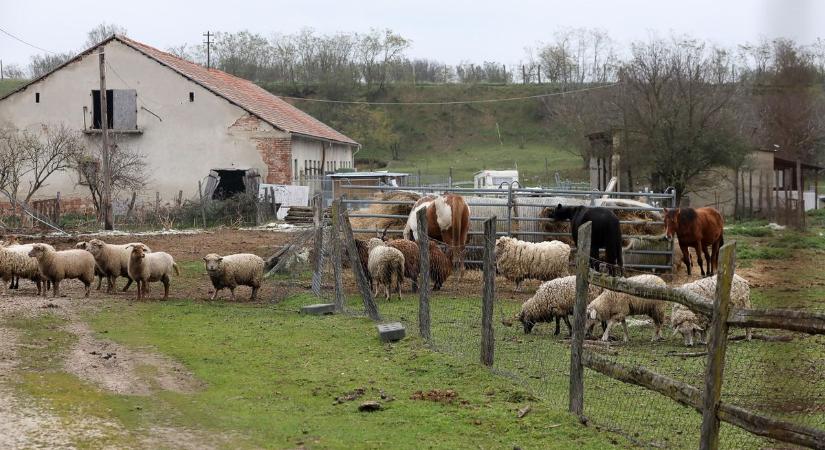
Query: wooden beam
x=423 y=276
x=358 y=271
x=576 y=401
x=693 y=301
x=690 y=396
x=717 y=348
x=337 y=266
x=488 y=292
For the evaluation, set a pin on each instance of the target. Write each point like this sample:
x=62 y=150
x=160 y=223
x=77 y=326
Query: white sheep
x=57 y=266
x=520 y=260
x=385 y=264
x=554 y=299
x=691 y=324
x=14 y=265
x=230 y=271
x=147 y=267
x=83 y=245
x=614 y=307
x=26 y=268
x=113 y=260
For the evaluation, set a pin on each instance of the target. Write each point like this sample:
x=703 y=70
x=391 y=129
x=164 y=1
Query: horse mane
x=687 y=214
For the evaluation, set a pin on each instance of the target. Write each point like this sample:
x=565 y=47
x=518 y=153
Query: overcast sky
x=448 y=30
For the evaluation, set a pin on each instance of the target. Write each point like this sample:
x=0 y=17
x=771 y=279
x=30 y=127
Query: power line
x=460 y=102
x=21 y=40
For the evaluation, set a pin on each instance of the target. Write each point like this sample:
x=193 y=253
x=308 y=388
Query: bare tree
x=14 y=146
x=678 y=100
x=55 y=151
x=43 y=64
x=128 y=171
x=103 y=31
x=13 y=71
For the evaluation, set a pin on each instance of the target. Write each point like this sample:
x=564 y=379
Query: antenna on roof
x=208 y=43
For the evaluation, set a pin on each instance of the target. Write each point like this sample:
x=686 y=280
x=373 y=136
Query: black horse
x=605 y=232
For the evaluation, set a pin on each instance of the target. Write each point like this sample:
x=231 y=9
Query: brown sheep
x=411 y=259
x=441 y=266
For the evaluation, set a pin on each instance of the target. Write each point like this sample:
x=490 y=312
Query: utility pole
x=104 y=132
x=1 y=69
x=208 y=43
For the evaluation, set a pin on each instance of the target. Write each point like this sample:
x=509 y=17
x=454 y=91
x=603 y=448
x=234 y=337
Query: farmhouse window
x=37 y=97
x=121 y=109
x=191 y=96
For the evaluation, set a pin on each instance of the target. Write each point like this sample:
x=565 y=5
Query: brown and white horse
x=448 y=220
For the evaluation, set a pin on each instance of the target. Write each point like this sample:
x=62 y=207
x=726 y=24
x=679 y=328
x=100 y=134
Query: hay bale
x=380 y=223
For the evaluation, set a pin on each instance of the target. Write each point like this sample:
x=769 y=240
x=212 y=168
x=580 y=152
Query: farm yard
x=527 y=227
x=194 y=373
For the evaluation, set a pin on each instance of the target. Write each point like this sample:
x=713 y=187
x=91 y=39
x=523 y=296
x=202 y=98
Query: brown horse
x=697 y=228
x=448 y=220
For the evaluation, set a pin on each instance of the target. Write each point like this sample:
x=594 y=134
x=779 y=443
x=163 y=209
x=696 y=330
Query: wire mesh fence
x=778 y=374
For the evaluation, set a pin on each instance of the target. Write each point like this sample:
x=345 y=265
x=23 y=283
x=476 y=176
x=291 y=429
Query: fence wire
x=769 y=375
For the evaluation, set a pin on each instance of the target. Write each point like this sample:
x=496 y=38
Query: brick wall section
x=277 y=155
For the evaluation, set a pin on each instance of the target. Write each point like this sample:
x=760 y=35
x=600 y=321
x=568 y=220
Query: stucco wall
x=181 y=146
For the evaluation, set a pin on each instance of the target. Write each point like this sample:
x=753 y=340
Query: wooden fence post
x=335 y=237
x=423 y=276
x=577 y=339
x=717 y=346
x=800 y=193
x=361 y=280
x=317 y=261
x=488 y=293
x=203 y=206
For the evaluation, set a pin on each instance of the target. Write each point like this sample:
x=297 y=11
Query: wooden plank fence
x=706 y=402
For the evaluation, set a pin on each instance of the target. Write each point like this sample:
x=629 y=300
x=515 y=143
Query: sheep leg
x=16 y=280
x=518 y=286
x=387 y=291
x=556 y=333
x=606 y=335
x=99 y=281
x=624 y=326
x=165 y=281
x=658 y=335
x=88 y=285
x=111 y=286
x=569 y=328
x=254 y=295
x=214 y=294
x=56 y=288
x=128 y=283
x=232 y=294
x=139 y=289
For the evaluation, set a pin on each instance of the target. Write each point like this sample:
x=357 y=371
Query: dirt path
x=27 y=422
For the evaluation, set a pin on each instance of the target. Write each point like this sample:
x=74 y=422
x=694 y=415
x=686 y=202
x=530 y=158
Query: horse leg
x=698 y=248
x=708 y=260
x=685 y=256
x=715 y=255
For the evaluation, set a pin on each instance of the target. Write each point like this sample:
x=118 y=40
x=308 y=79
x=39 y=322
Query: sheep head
x=95 y=246
x=138 y=251
x=526 y=324
x=82 y=245
x=37 y=251
x=213 y=262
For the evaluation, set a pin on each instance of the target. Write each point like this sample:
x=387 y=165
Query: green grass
x=466 y=159
x=8 y=85
x=272 y=376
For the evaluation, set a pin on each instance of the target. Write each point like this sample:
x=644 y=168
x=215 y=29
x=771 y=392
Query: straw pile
x=380 y=223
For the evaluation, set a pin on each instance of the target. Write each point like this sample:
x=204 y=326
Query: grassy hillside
x=8 y=85
x=466 y=137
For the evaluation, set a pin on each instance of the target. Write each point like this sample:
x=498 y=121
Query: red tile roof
x=243 y=93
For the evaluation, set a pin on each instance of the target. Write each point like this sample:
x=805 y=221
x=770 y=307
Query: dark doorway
x=230 y=183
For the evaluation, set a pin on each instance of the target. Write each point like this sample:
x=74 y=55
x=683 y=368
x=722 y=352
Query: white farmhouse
x=189 y=121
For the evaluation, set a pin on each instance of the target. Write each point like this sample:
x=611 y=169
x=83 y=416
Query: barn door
x=211 y=183
x=252 y=182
